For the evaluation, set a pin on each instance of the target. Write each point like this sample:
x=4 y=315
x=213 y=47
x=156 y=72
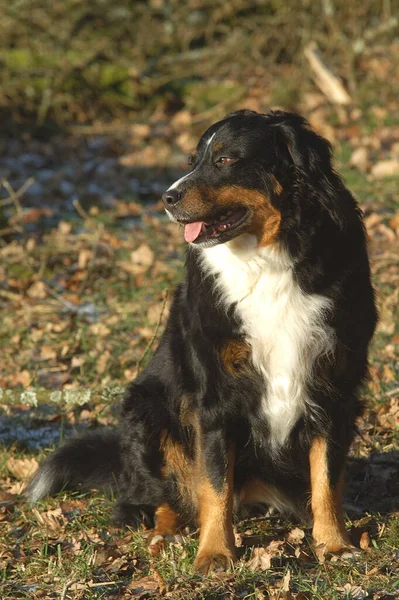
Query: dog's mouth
x=227 y=222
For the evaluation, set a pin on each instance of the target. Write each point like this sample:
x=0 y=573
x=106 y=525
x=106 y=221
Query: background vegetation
x=76 y=61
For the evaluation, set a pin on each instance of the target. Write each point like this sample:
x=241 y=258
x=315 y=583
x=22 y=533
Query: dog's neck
x=241 y=263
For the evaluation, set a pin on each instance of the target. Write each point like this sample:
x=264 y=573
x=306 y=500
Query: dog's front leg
x=215 y=464
x=329 y=526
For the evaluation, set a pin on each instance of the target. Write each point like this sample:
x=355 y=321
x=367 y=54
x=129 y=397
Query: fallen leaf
x=157 y=544
x=364 y=541
x=77 y=361
x=320 y=552
x=261 y=557
x=142 y=256
x=145 y=332
x=161 y=582
x=47 y=353
x=131 y=268
x=394 y=222
x=142 y=586
x=141 y=130
x=17 y=488
x=85 y=255
x=52 y=519
x=130 y=374
x=295 y=536
x=359 y=159
x=353 y=591
x=37 y=290
x=286 y=581
x=99 y=329
x=128 y=209
x=22 y=468
x=23 y=378
x=385 y=168
x=101 y=364
x=64 y=227
x=157 y=310
x=371 y=220
x=388 y=374
x=388 y=415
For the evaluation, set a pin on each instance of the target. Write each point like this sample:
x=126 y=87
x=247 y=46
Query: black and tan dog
x=252 y=395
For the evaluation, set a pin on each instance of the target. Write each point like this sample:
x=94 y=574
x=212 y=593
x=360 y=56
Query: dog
x=252 y=395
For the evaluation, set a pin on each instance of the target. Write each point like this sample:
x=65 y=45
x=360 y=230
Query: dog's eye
x=224 y=160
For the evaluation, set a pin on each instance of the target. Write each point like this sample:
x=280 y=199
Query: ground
x=88 y=263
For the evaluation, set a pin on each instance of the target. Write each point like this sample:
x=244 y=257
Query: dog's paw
x=209 y=562
x=334 y=539
x=340 y=546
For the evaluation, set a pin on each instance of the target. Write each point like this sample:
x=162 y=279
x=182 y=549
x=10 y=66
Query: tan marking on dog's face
x=203 y=202
x=217 y=146
x=235 y=355
x=326 y=502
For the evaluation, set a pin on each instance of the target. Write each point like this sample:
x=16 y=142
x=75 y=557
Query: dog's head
x=243 y=175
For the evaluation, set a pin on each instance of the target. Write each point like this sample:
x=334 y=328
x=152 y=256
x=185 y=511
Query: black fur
x=322 y=232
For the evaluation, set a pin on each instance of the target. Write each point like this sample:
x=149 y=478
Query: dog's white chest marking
x=284 y=326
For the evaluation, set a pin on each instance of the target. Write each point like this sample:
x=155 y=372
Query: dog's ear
x=311 y=155
x=309 y=152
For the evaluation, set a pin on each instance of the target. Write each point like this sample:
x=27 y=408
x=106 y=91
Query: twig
x=148 y=347
x=325 y=79
x=80 y=210
x=70 y=306
x=66 y=588
x=10 y=295
x=13 y=229
x=102 y=584
x=392 y=392
x=15 y=195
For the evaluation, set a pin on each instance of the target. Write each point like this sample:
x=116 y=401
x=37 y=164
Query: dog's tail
x=89 y=461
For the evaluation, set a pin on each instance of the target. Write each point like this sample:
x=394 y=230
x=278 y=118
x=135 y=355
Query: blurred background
x=100 y=104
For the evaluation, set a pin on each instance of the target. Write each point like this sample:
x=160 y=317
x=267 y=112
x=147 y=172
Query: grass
x=71 y=539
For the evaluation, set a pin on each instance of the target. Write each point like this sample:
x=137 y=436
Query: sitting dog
x=252 y=395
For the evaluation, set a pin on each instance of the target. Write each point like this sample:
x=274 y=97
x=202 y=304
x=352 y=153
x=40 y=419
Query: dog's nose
x=171 y=197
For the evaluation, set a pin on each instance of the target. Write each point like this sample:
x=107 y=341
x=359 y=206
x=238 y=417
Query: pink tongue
x=192 y=231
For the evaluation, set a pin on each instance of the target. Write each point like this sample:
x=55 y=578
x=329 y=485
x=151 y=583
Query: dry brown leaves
x=22 y=468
